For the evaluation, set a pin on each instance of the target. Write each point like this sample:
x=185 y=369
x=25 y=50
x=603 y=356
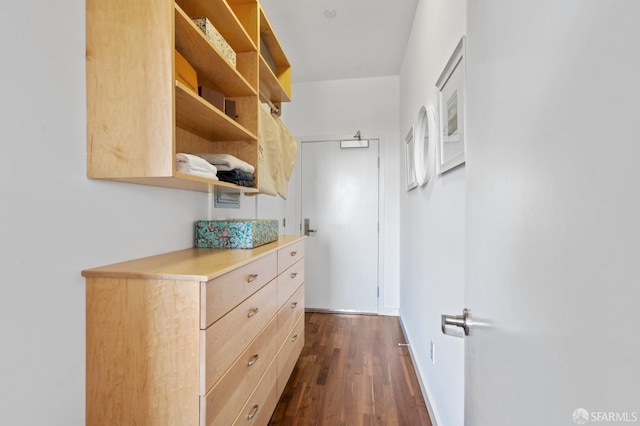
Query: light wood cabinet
x=158 y=353
x=139 y=116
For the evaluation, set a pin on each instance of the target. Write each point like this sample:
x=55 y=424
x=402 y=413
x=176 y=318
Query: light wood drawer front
x=289 y=255
x=289 y=354
x=230 y=336
x=229 y=395
x=259 y=408
x=222 y=294
x=289 y=314
x=289 y=281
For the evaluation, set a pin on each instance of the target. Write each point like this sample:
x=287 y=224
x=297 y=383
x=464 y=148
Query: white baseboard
x=386 y=312
x=389 y=312
x=426 y=394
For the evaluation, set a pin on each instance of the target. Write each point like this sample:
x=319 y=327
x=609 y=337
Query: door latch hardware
x=457 y=321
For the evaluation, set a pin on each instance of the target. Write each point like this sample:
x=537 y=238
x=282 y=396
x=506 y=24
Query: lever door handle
x=307 y=230
x=460 y=321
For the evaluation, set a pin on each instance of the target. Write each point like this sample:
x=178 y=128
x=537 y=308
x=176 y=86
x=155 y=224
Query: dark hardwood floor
x=352 y=372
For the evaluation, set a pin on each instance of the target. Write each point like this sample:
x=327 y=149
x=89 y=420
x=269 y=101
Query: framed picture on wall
x=451 y=108
x=409 y=153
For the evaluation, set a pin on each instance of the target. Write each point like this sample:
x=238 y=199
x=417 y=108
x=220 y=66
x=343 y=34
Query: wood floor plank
x=352 y=372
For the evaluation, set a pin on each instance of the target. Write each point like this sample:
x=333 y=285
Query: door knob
x=460 y=321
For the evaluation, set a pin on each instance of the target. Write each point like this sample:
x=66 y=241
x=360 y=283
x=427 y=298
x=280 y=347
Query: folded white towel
x=226 y=162
x=192 y=164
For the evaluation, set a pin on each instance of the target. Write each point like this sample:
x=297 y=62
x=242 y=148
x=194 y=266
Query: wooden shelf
x=207 y=61
x=275 y=85
x=270 y=86
x=187 y=182
x=199 y=117
x=224 y=19
x=197 y=181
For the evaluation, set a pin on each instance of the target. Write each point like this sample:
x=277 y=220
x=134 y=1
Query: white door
x=553 y=213
x=339 y=197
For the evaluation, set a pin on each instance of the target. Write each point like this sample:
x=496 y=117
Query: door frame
x=382 y=308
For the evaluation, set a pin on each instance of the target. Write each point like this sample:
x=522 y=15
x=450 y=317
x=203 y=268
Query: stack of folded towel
x=231 y=169
x=195 y=165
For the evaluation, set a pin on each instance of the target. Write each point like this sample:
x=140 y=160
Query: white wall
x=339 y=108
x=275 y=207
x=432 y=231
x=54 y=221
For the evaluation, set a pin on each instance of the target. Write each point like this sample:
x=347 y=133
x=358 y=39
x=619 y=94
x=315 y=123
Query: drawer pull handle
x=253 y=312
x=253 y=360
x=252 y=278
x=294 y=274
x=294 y=304
x=253 y=412
x=293 y=253
x=294 y=338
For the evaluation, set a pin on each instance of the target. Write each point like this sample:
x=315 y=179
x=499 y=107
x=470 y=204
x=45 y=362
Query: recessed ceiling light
x=330 y=13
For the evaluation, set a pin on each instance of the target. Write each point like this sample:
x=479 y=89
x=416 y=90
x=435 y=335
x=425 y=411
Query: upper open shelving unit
x=139 y=115
x=275 y=70
x=214 y=68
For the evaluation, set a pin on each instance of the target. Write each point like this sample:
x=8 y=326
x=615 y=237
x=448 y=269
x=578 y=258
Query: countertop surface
x=201 y=264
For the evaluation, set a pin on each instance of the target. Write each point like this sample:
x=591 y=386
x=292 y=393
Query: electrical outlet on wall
x=433 y=352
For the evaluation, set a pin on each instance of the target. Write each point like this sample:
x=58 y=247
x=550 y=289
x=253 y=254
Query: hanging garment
x=276 y=156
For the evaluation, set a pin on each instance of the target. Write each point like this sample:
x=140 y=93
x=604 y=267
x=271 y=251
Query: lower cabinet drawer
x=289 y=255
x=289 y=314
x=224 y=401
x=222 y=294
x=289 y=354
x=259 y=408
x=228 y=337
x=289 y=281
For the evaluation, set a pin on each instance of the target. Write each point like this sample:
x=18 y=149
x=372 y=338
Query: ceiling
x=366 y=38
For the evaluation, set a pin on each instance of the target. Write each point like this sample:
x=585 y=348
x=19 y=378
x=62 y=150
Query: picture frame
x=451 y=111
x=410 y=168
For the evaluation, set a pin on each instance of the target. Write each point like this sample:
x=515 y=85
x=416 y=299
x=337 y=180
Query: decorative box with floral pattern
x=235 y=233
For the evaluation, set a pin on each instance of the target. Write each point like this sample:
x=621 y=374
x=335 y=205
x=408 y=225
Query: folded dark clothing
x=239 y=182
x=247 y=183
x=236 y=174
